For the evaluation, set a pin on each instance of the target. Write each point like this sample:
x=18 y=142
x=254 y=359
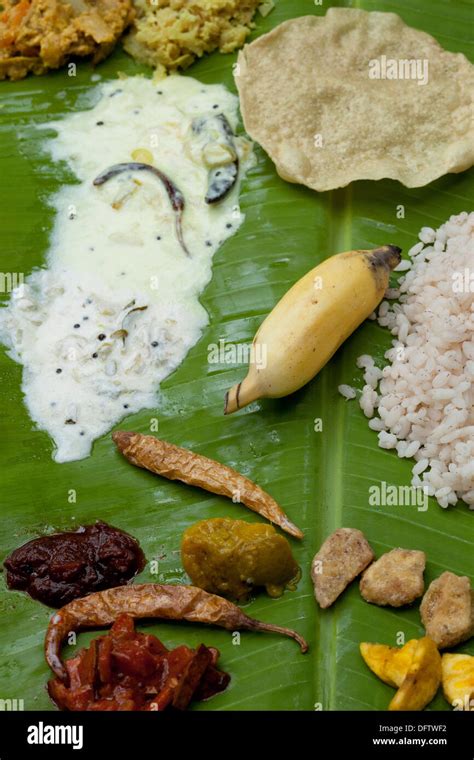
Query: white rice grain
x=403 y=265
x=365 y=361
x=347 y=391
x=427 y=235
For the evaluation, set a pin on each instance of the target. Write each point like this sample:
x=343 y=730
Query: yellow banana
x=311 y=321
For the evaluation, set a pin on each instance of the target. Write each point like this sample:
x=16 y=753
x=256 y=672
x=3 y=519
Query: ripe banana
x=311 y=321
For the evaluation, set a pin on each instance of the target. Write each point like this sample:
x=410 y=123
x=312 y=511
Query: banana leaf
x=320 y=477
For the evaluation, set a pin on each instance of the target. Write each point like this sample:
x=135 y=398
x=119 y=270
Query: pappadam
x=307 y=98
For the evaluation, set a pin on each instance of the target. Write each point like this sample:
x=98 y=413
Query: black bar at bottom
x=311 y=734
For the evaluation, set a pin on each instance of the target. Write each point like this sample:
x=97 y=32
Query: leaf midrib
x=339 y=216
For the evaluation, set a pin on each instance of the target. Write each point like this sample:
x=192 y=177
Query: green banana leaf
x=320 y=478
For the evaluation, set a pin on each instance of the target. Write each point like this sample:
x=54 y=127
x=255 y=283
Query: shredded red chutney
x=127 y=670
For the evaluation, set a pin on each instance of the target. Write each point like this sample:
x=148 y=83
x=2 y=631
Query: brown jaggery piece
x=447 y=610
x=341 y=558
x=395 y=579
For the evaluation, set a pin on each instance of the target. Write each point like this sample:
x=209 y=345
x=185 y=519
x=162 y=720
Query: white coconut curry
x=116 y=310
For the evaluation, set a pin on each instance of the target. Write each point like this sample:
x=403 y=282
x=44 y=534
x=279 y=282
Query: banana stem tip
x=386 y=256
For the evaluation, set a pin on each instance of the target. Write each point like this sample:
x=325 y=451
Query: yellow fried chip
x=422 y=679
x=457 y=673
x=390 y=664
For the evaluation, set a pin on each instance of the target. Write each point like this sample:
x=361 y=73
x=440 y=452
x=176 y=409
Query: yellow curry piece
x=230 y=557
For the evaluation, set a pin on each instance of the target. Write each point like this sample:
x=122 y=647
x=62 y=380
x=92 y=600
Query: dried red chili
x=149 y=600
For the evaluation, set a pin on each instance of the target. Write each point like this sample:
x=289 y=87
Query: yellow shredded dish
x=171 y=34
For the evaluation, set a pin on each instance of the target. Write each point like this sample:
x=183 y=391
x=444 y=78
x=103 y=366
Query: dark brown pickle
x=61 y=567
x=231 y=557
